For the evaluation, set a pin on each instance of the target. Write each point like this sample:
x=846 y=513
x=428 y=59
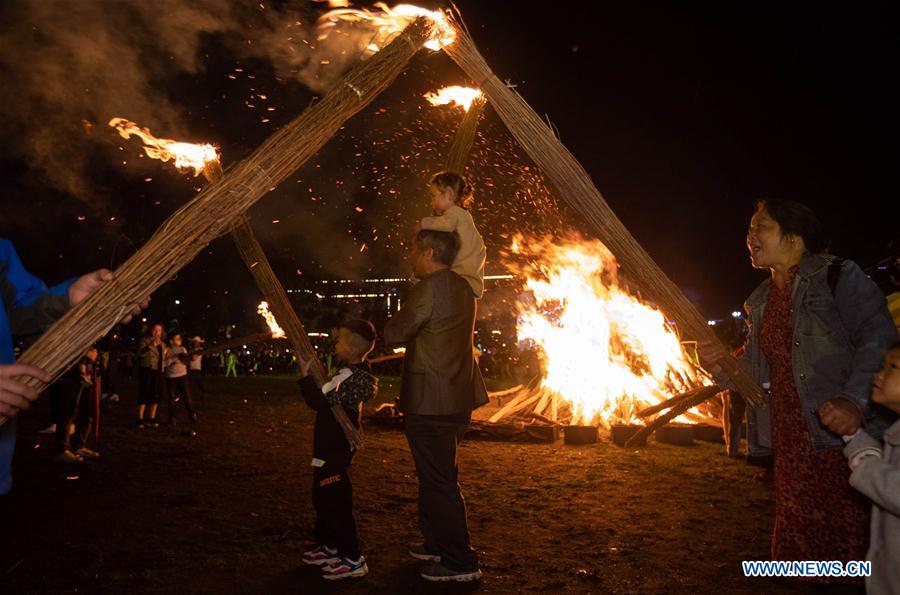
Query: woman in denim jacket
x=819 y=328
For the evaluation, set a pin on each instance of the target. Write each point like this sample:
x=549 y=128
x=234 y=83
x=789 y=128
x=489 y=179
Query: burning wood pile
x=606 y=356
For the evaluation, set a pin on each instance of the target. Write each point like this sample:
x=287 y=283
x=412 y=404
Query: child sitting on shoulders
x=338 y=552
x=876 y=473
x=451 y=196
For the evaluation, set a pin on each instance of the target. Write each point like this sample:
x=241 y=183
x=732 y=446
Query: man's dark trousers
x=433 y=441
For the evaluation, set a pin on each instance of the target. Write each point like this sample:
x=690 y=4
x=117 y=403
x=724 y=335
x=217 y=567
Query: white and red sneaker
x=321 y=556
x=345 y=568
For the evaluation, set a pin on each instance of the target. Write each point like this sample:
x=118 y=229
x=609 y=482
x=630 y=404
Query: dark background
x=683 y=116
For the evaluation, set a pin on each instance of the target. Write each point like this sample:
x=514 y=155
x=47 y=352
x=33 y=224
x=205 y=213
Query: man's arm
x=403 y=326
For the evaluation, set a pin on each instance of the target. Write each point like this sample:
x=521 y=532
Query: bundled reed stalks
x=574 y=185
x=253 y=256
x=214 y=211
x=465 y=136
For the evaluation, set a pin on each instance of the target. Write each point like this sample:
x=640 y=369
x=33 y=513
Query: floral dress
x=818 y=516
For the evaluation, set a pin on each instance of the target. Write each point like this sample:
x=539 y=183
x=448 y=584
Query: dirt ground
x=228 y=510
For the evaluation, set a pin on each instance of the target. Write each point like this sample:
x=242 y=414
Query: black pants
x=433 y=441
x=75 y=404
x=178 y=391
x=149 y=386
x=333 y=501
x=196 y=382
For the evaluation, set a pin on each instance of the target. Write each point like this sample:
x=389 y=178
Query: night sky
x=683 y=116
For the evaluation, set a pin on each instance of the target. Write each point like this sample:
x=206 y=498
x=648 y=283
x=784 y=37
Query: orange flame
x=455 y=95
x=263 y=310
x=185 y=155
x=389 y=22
x=607 y=354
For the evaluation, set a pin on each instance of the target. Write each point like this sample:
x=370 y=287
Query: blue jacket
x=840 y=335
x=29 y=307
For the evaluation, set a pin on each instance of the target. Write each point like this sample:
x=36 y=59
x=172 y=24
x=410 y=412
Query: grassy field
x=228 y=510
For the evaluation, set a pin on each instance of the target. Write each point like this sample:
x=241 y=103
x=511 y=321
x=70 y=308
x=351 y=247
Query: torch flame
x=185 y=155
x=455 y=95
x=389 y=22
x=263 y=310
x=606 y=353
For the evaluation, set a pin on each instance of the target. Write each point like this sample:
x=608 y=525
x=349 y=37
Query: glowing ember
x=263 y=310
x=388 y=23
x=607 y=354
x=455 y=95
x=185 y=155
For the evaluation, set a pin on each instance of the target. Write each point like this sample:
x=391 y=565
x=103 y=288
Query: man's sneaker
x=151 y=423
x=437 y=573
x=321 y=556
x=345 y=568
x=67 y=456
x=87 y=453
x=140 y=424
x=420 y=552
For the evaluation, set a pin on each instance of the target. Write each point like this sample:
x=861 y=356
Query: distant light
x=711 y=322
x=143 y=320
x=177 y=302
x=736 y=314
x=495 y=332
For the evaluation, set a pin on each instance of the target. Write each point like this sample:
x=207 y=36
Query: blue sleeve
x=31 y=305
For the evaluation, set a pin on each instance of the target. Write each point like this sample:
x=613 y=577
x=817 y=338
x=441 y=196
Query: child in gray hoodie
x=876 y=473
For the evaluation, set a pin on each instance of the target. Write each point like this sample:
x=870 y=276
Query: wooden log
x=508 y=391
x=708 y=392
x=387 y=358
x=574 y=185
x=515 y=405
x=668 y=403
x=547 y=396
x=215 y=210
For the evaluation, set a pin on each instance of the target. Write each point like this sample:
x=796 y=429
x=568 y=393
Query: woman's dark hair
x=796 y=219
x=449 y=179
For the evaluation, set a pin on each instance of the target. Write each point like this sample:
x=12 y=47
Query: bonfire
x=607 y=356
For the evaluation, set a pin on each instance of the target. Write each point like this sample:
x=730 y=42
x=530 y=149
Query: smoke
x=68 y=67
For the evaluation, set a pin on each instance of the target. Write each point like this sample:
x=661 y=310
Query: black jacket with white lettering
x=329 y=442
